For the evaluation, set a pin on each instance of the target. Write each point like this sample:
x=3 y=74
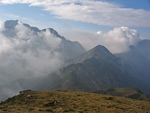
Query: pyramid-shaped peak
x=100 y=51
x=100 y=48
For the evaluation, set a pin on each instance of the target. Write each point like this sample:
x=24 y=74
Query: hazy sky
x=82 y=15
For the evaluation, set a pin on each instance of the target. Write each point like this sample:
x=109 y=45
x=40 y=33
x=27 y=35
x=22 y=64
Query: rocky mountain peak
x=9 y=24
x=99 y=52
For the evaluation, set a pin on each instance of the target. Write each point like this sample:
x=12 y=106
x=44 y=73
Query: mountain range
x=91 y=70
x=132 y=93
x=96 y=69
x=68 y=48
x=137 y=61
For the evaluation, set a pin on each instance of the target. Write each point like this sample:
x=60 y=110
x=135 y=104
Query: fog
x=117 y=40
x=27 y=53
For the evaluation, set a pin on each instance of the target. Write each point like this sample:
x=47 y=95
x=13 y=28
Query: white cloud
x=117 y=40
x=97 y=12
x=28 y=54
x=1 y=26
x=99 y=32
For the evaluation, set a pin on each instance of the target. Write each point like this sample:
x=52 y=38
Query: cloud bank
x=117 y=40
x=92 y=11
x=27 y=53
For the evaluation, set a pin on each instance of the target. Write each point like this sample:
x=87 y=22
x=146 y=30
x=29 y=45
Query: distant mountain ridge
x=69 y=49
x=137 y=61
x=132 y=93
x=93 y=70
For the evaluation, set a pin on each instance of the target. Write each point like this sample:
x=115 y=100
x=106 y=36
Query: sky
x=88 y=16
x=85 y=15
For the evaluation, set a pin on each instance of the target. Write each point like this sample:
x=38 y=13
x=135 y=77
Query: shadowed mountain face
x=143 y=48
x=137 y=61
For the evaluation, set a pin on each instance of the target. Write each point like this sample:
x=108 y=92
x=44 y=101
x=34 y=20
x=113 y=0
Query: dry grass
x=71 y=102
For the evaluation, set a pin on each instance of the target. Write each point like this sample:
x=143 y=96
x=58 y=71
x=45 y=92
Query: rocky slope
x=94 y=70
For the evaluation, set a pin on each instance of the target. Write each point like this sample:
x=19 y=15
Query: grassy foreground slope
x=72 y=102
